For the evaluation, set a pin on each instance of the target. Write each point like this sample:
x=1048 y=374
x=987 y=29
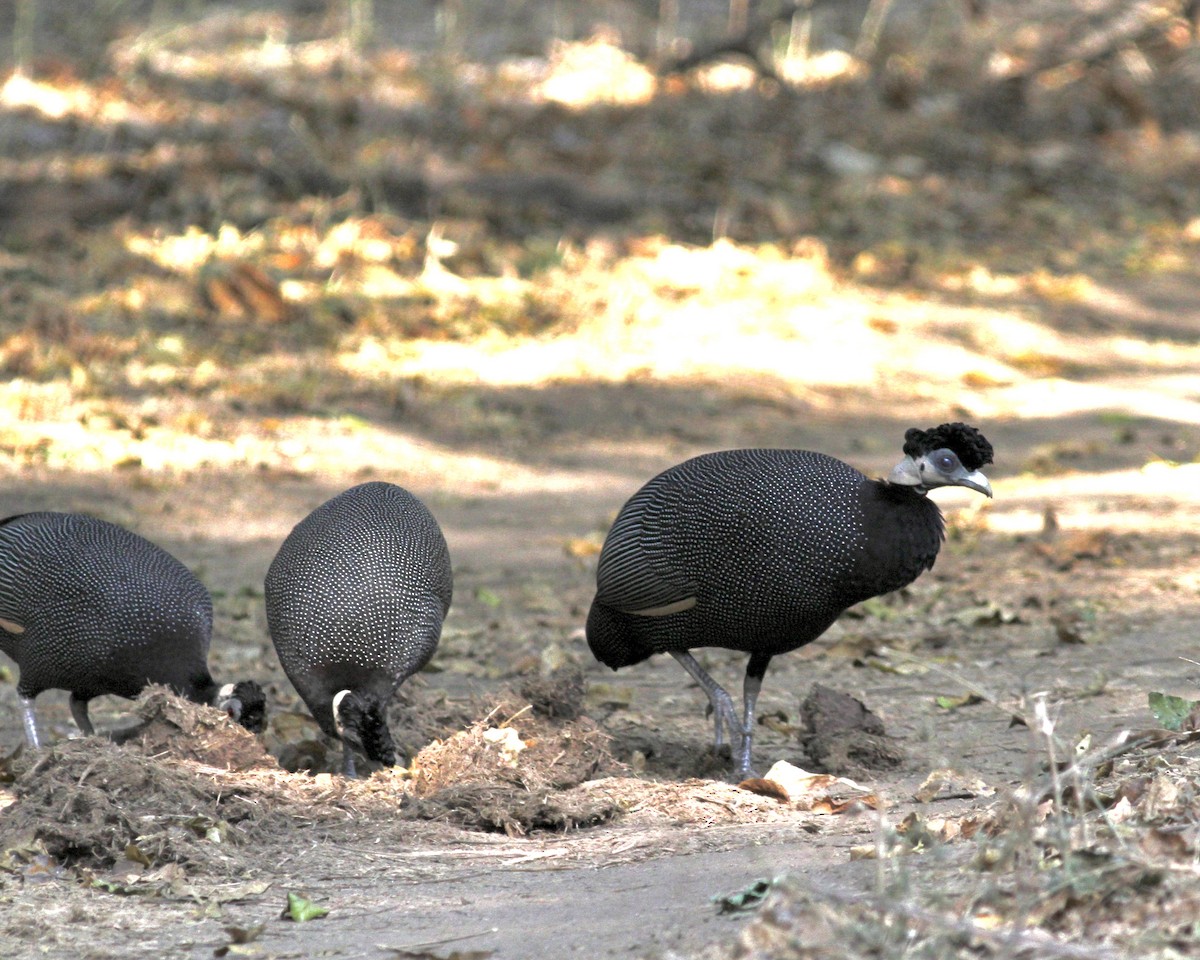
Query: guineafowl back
x=755 y=550
x=90 y=607
x=357 y=594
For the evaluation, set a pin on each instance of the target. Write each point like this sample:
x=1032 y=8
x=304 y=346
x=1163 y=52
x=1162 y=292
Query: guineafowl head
x=361 y=721
x=246 y=704
x=949 y=455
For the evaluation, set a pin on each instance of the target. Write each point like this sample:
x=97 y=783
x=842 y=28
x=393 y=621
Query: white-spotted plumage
x=355 y=601
x=761 y=550
x=746 y=541
x=90 y=607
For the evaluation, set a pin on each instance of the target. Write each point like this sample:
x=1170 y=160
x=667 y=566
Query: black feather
x=90 y=607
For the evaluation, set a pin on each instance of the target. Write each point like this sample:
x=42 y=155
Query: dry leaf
x=945 y=784
x=765 y=788
x=819 y=792
x=582 y=547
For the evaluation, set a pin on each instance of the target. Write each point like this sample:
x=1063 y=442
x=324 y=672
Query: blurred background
x=226 y=229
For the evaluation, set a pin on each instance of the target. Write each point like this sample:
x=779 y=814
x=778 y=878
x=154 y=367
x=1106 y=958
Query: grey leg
x=750 y=689
x=30 y=721
x=79 y=710
x=724 y=715
x=348 y=761
x=756 y=669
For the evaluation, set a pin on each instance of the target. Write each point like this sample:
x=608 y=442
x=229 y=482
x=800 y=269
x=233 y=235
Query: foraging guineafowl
x=356 y=597
x=761 y=550
x=90 y=607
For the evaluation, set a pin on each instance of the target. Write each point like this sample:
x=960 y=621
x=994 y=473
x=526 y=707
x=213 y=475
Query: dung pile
x=90 y=801
x=508 y=772
x=168 y=793
x=190 y=731
x=845 y=738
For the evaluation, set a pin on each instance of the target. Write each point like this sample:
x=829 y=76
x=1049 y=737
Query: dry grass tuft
x=1095 y=858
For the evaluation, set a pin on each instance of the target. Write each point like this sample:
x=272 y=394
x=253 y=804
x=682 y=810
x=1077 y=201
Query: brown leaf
x=842 y=805
x=260 y=293
x=1062 y=550
x=945 y=784
x=1168 y=842
x=765 y=788
x=243 y=291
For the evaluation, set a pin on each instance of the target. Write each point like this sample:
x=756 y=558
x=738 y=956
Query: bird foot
x=725 y=718
x=741 y=768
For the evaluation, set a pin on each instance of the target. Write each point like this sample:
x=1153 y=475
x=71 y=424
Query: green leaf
x=953 y=703
x=750 y=898
x=134 y=889
x=1173 y=712
x=300 y=909
x=489 y=597
x=984 y=615
x=880 y=609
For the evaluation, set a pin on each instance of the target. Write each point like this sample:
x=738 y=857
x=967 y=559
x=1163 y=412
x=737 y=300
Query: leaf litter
x=190 y=793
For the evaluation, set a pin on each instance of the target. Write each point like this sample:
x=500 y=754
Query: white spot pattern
x=774 y=544
x=104 y=610
x=357 y=594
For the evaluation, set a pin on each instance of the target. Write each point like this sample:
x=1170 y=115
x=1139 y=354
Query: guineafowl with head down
x=90 y=607
x=355 y=599
x=761 y=550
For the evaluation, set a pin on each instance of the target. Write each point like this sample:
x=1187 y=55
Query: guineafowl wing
x=639 y=570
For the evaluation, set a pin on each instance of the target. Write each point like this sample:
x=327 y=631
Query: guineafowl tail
x=612 y=636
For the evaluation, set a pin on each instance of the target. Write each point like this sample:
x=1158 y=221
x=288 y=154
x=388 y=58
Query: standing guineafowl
x=356 y=597
x=90 y=607
x=761 y=550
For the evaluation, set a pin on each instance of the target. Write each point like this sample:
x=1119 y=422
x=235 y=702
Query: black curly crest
x=968 y=444
x=254 y=705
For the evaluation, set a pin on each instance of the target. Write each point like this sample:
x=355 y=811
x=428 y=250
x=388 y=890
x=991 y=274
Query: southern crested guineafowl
x=90 y=607
x=761 y=550
x=356 y=597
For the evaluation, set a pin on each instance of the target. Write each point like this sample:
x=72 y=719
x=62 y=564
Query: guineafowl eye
x=762 y=550
x=946 y=461
x=90 y=607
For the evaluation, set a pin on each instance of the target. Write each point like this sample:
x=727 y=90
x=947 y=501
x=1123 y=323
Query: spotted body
x=761 y=550
x=743 y=542
x=356 y=597
x=90 y=607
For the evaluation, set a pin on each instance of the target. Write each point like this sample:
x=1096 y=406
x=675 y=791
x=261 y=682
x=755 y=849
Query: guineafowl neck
x=377 y=739
x=201 y=688
x=904 y=531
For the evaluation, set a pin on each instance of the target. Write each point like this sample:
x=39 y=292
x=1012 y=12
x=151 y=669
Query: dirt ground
x=246 y=265
x=1093 y=617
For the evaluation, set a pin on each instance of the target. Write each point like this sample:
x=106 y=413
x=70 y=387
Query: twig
x=1123 y=743
x=430 y=944
x=746 y=43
